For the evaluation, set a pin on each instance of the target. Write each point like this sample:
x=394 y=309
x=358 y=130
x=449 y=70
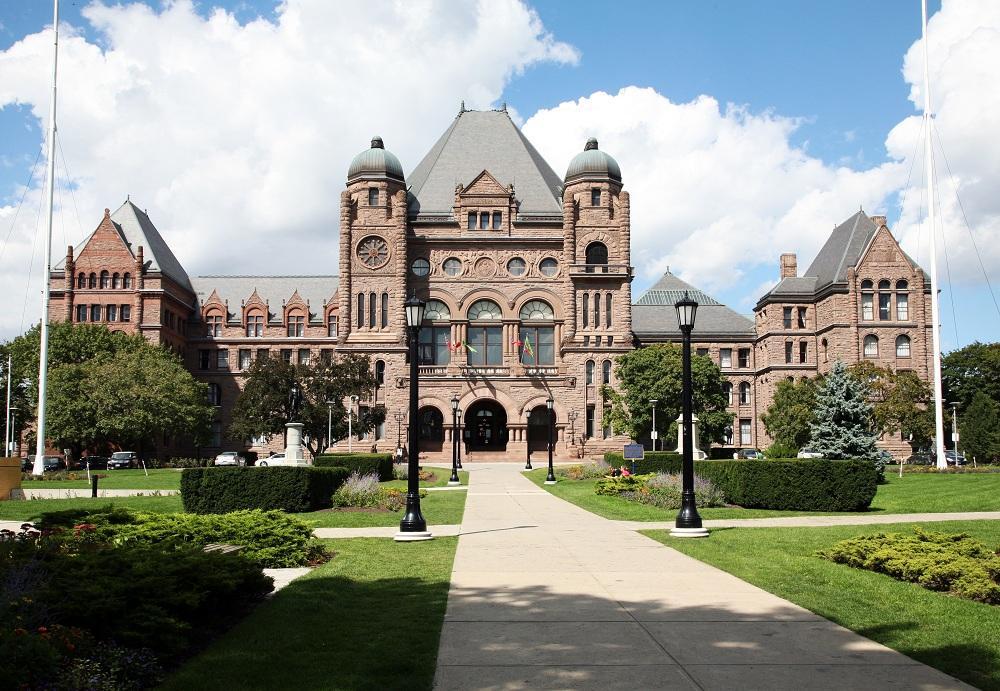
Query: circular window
x=453 y=266
x=373 y=251
x=485 y=309
x=420 y=267
x=516 y=267
x=549 y=267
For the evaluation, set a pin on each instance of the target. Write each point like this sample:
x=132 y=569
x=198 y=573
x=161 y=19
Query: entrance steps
x=491 y=457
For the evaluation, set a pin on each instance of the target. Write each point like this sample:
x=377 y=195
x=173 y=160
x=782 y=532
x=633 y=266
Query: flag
x=469 y=348
x=527 y=348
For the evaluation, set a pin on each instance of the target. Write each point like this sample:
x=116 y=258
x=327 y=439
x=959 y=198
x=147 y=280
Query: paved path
x=547 y=595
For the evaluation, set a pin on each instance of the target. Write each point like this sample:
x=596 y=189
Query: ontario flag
x=469 y=347
x=527 y=348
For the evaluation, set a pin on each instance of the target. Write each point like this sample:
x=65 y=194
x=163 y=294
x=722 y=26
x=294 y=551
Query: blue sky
x=834 y=69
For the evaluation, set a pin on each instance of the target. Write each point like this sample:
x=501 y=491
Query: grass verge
x=341 y=626
x=438 y=508
x=956 y=636
x=32 y=509
x=159 y=478
x=441 y=474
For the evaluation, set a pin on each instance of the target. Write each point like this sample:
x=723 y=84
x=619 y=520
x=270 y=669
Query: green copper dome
x=376 y=163
x=592 y=163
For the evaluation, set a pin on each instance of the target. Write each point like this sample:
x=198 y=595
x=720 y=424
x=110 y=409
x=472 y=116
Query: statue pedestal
x=293 y=444
x=699 y=455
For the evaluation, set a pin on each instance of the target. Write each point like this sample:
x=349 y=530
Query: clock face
x=373 y=251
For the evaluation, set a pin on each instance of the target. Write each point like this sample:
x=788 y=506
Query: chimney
x=879 y=221
x=789 y=266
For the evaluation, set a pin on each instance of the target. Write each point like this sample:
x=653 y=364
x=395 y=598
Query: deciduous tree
x=789 y=416
x=980 y=429
x=900 y=402
x=969 y=370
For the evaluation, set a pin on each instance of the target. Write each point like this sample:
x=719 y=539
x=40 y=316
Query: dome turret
x=375 y=163
x=593 y=164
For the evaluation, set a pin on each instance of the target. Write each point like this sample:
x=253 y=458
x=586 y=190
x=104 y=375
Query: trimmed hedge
x=290 y=489
x=364 y=463
x=794 y=484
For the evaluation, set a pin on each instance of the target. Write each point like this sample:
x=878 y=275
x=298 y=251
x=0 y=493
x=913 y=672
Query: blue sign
x=633 y=452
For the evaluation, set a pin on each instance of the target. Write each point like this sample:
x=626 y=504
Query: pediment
x=104 y=241
x=883 y=249
x=485 y=184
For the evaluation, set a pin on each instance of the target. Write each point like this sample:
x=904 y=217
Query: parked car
x=49 y=463
x=123 y=459
x=809 y=453
x=230 y=458
x=275 y=460
x=94 y=462
x=929 y=457
x=954 y=458
x=748 y=454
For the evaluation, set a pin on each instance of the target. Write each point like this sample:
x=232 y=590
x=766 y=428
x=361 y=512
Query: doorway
x=486 y=426
x=538 y=428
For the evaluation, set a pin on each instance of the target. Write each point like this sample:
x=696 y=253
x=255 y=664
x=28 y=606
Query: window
x=379 y=372
x=303 y=356
x=590 y=371
x=595 y=196
x=871 y=346
x=902 y=301
x=801 y=317
x=485 y=345
x=745 y=439
x=497 y=220
x=606 y=372
x=549 y=267
x=372 y=310
x=902 y=346
x=286 y=355
x=385 y=310
x=92 y=281
x=420 y=267
x=516 y=267
x=326 y=354
x=81 y=280
x=214 y=394
x=745 y=393
x=744 y=358
x=373 y=196
x=111 y=313
x=788 y=351
x=484 y=309
x=126 y=313
x=434 y=345
x=105 y=279
x=222 y=359
x=216 y=434
x=296 y=326
x=116 y=280
x=867 y=309
x=453 y=266
x=803 y=351
x=361 y=310
x=484 y=220
x=214 y=325
x=331 y=325
x=726 y=358
x=590 y=422
x=472 y=220
x=586 y=310
x=607 y=311
x=825 y=350
x=537 y=345
x=95 y=313
x=204 y=359
x=536 y=310
x=81 y=313
x=611 y=340
x=701 y=351
x=263 y=353
x=597 y=253
x=597 y=309
x=787 y=317
x=244 y=358
x=127 y=280
x=883 y=300
x=435 y=310
x=727 y=390
x=255 y=325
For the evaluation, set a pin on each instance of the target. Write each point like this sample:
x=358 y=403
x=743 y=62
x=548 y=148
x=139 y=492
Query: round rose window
x=373 y=251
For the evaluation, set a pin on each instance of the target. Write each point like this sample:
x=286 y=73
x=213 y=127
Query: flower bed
x=658 y=489
x=364 y=491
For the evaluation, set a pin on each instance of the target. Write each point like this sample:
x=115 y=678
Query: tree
x=265 y=405
x=843 y=417
x=972 y=369
x=789 y=416
x=980 y=429
x=655 y=372
x=901 y=402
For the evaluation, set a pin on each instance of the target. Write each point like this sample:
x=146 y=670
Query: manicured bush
x=654 y=462
x=779 y=450
x=380 y=463
x=270 y=539
x=953 y=563
x=292 y=489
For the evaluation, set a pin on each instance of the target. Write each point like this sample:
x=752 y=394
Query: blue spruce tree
x=843 y=421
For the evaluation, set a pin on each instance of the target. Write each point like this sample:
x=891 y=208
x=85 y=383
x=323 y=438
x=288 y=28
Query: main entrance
x=538 y=428
x=486 y=426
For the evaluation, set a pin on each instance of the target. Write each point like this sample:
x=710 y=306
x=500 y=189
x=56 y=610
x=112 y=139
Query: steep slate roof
x=478 y=141
x=137 y=230
x=235 y=290
x=653 y=314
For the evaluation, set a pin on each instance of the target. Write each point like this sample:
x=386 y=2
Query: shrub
x=779 y=450
x=291 y=489
x=61 y=476
x=364 y=491
x=588 y=471
x=953 y=563
x=654 y=462
x=270 y=539
x=658 y=489
x=380 y=463
x=952 y=470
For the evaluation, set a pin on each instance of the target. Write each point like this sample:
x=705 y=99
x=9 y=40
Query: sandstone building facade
x=527 y=277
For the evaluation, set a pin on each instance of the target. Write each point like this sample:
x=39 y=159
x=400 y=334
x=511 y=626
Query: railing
x=433 y=370
x=601 y=269
x=541 y=371
x=485 y=371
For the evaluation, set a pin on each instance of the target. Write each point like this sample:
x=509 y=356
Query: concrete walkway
x=545 y=595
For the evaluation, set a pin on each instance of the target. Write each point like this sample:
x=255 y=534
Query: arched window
x=331 y=325
x=105 y=280
x=537 y=333
x=597 y=253
x=214 y=322
x=591 y=366
x=586 y=310
x=372 y=310
x=902 y=346
x=597 y=309
x=484 y=309
x=606 y=372
x=127 y=280
x=296 y=326
x=116 y=280
x=435 y=310
x=385 y=310
x=607 y=310
x=745 y=393
x=214 y=394
x=435 y=343
x=361 y=310
x=902 y=301
x=871 y=346
x=92 y=281
x=727 y=389
x=867 y=300
x=884 y=296
x=485 y=344
x=379 y=372
x=81 y=280
x=255 y=325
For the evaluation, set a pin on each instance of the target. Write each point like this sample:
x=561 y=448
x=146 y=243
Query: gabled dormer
x=485 y=205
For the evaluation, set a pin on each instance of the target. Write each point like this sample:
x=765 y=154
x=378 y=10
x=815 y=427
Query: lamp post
x=453 y=480
x=527 y=445
x=954 y=429
x=413 y=526
x=572 y=415
x=329 y=423
x=653 y=435
x=399 y=416
x=550 y=479
x=350 y=430
x=688 y=523
x=459 y=412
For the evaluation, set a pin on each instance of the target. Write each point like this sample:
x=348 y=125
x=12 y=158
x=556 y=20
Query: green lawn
x=442 y=475
x=910 y=494
x=33 y=508
x=956 y=636
x=438 y=508
x=369 y=619
x=159 y=478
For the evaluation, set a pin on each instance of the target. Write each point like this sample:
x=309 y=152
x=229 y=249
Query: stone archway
x=485 y=424
x=538 y=428
x=431 y=429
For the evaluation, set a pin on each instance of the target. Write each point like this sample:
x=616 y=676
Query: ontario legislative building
x=527 y=278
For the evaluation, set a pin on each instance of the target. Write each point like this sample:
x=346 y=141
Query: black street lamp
x=453 y=480
x=688 y=523
x=459 y=439
x=399 y=416
x=550 y=479
x=572 y=415
x=413 y=526
x=527 y=445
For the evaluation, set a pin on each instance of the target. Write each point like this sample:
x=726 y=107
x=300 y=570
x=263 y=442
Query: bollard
x=93 y=486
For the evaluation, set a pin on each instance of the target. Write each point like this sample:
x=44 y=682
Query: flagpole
x=43 y=348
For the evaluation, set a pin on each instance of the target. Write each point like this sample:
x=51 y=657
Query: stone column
x=293 y=448
x=699 y=455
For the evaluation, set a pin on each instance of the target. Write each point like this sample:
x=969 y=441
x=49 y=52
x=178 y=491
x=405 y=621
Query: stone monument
x=699 y=455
